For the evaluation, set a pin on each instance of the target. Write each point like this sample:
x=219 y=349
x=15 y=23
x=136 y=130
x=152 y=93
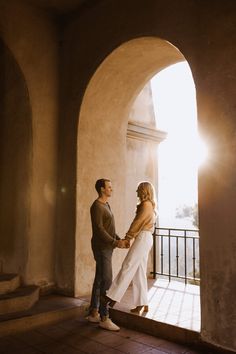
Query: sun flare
x=184 y=152
x=201 y=151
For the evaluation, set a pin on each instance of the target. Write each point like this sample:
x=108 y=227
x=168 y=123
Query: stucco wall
x=31 y=37
x=15 y=164
x=199 y=33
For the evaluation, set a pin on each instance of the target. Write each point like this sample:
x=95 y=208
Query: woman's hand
x=123 y=243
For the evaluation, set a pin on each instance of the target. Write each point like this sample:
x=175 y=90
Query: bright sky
x=181 y=153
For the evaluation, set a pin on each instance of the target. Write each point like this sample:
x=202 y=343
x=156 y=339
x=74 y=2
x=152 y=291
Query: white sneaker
x=93 y=318
x=109 y=325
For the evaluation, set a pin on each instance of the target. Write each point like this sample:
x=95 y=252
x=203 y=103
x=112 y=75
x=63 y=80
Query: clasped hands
x=123 y=243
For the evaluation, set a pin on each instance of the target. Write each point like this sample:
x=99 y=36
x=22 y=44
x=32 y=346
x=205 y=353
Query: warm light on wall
x=202 y=151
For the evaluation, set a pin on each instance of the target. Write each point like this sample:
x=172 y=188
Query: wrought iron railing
x=176 y=254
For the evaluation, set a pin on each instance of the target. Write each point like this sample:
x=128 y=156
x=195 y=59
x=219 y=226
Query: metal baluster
x=194 y=259
x=169 y=255
x=185 y=256
x=162 y=254
x=154 y=254
x=177 y=256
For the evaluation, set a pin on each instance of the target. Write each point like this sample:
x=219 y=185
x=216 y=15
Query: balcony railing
x=176 y=254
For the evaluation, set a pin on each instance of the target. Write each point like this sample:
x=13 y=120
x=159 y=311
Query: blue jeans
x=102 y=280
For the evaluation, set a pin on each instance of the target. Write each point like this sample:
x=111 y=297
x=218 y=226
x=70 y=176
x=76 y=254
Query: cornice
x=140 y=132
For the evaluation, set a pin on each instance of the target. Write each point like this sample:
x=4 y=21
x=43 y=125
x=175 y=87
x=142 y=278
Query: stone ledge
x=140 y=132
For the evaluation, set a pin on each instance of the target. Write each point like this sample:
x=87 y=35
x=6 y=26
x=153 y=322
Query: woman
x=134 y=266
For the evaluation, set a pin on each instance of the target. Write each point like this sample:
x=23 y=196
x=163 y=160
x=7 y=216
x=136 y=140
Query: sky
x=180 y=155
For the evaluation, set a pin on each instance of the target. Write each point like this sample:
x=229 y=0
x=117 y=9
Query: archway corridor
x=112 y=148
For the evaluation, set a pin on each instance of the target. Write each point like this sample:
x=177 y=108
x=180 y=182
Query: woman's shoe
x=139 y=309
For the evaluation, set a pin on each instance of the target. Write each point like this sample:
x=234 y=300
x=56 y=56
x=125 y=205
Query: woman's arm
x=143 y=217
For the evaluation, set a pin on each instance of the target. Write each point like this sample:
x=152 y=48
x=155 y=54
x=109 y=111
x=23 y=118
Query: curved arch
x=102 y=133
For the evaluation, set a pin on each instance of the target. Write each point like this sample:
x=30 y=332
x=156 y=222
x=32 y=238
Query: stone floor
x=78 y=336
x=172 y=302
x=172 y=305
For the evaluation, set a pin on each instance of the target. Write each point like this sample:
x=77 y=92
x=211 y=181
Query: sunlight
x=202 y=152
x=183 y=152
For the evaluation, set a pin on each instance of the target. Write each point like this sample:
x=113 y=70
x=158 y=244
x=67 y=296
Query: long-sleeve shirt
x=103 y=226
x=144 y=220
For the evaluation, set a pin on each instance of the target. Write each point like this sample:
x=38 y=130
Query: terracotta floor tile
x=111 y=351
x=128 y=333
x=54 y=332
x=129 y=346
x=172 y=347
x=88 y=345
x=34 y=338
x=23 y=351
x=111 y=340
x=60 y=348
x=156 y=351
x=11 y=345
x=150 y=340
x=70 y=324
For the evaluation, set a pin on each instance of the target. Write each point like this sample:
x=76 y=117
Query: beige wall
x=15 y=164
x=31 y=39
x=142 y=111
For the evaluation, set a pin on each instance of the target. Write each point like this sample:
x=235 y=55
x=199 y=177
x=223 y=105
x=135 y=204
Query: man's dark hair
x=101 y=184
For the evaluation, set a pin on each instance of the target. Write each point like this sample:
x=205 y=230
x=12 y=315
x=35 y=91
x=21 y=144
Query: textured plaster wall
x=142 y=111
x=31 y=38
x=215 y=77
x=205 y=34
x=15 y=164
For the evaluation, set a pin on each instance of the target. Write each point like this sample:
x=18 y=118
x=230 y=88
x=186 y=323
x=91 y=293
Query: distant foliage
x=188 y=211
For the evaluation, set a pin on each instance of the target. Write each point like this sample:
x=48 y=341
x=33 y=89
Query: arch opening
x=102 y=132
x=104 y=149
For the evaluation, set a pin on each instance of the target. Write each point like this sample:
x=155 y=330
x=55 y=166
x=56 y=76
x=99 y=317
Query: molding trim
x=140 y=132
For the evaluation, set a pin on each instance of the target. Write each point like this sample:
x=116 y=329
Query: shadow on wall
x=15 y=160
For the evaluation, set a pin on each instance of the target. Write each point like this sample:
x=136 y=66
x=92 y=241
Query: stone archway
x=102 y=135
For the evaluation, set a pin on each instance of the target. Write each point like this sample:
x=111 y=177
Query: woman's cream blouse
x=144 y=220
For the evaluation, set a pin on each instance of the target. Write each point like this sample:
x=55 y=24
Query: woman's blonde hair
x=146 y=191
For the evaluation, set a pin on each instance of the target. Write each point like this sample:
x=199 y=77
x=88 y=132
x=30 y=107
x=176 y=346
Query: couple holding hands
x=105 y=292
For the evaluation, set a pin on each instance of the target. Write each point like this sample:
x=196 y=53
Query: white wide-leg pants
x=134 y=269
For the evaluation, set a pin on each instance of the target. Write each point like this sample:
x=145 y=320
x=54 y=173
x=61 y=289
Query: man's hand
x=123 y=244
x=127 y=243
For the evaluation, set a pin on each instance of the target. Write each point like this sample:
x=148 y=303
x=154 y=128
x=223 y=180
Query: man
x=104 y=240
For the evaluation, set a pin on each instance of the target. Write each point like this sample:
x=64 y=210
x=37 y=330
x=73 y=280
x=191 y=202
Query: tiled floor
x=170 y=302
x=79 y=336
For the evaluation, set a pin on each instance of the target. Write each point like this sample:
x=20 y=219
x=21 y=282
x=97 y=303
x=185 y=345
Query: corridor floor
x=172 y=302
x=78 y=336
